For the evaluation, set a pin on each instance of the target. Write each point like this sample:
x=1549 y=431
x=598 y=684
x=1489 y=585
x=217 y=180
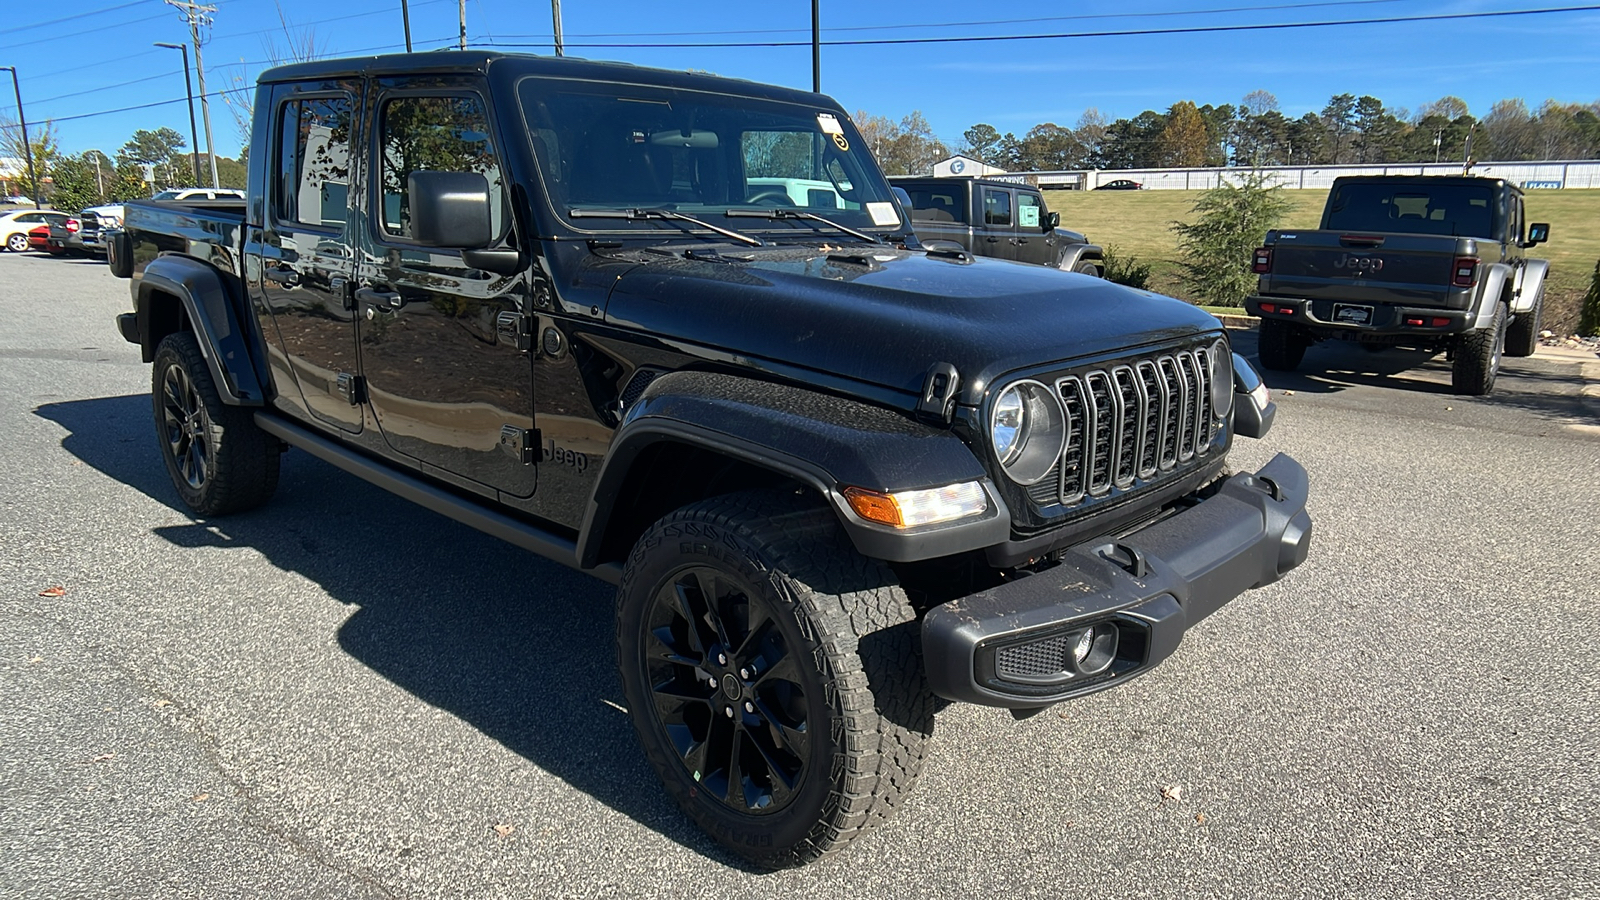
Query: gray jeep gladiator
x=672 y=330
x=1431 y=262
x=1001 y=219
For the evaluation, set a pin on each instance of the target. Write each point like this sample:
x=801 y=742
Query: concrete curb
x=1247 y=323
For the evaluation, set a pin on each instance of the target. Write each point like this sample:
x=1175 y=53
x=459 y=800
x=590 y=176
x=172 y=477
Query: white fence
x=1543 y=174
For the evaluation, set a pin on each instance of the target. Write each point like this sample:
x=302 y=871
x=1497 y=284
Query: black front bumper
x=1012 y=646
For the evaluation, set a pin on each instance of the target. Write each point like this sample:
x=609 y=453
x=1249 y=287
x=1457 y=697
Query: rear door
x=306 y=257
x=999 y=237
x=447 y=389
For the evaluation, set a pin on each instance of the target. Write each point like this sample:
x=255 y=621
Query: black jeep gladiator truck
x=1424 y=261
x=834 y=476
x=999 y=219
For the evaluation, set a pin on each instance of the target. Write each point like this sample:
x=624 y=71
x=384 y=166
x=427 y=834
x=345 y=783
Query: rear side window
x=433 y=134
x=1462 y=210
x=938 y=205
x=314 y=162
x=996 y=207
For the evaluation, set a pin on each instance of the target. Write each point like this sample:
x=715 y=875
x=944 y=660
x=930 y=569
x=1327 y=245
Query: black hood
x=883 y=316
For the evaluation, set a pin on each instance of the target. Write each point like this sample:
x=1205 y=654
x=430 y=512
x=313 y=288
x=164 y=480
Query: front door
x=306 y=258
x=446 y=379
x=1033 y=239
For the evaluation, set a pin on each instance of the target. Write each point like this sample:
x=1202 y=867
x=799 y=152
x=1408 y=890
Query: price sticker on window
x=829 y=124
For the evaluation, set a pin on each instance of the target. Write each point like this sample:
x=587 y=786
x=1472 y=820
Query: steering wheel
x=778 y=196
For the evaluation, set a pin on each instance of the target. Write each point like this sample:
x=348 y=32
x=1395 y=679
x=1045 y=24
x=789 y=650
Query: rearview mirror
x=449 y=209
x=1538 y=233
x=1052 y=221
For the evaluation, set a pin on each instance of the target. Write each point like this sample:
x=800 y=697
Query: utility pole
x=194 y=138
x=555 y=14
x=195 y=13
x=405 y=17
x=22 y=120
x=816 y=47
x=462 y=7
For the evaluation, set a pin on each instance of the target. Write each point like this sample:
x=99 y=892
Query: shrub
x=1232 y=220
x=1127 y=271
x=1589 y=307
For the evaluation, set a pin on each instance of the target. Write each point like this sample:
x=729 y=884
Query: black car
x=1121 y=184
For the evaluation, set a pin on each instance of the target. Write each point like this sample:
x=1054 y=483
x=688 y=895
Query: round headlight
x=1028 y=428
x=1221 y=374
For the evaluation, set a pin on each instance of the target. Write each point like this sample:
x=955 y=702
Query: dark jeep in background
x=1431 y=262
x=671 y=330
x=999 y=219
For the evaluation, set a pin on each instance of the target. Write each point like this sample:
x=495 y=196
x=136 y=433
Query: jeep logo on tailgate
x=1359 y=265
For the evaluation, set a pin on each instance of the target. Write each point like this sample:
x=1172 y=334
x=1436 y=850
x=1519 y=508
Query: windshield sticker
x=841 y=143
x=883 y=214
x=829 y=124
x=1028 y=216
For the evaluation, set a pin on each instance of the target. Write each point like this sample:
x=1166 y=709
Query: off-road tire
x=1522 y=336
x=1280 y=346
x=1477 y=359
x=840 y=644
x=219 y=460
x=1087 y=267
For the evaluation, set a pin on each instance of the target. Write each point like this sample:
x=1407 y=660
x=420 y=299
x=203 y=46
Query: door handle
x=1022 y=240
x=283 y=275
x=373 y=297
x=993 y=239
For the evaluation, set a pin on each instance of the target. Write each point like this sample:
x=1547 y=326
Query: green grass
x=1140 y=224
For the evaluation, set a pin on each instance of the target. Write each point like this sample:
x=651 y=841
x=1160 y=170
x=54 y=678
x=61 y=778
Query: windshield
x=1462 y=210
x=622 y=146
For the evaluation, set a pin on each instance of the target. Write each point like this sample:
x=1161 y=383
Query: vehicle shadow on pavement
x=517 y=647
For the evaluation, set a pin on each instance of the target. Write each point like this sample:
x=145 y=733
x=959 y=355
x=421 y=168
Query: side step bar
x=476 y=515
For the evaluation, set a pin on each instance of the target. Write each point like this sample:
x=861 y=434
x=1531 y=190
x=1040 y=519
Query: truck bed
x=209 y=230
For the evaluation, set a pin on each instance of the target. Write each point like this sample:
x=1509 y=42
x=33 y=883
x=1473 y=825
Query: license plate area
x=1351 y=314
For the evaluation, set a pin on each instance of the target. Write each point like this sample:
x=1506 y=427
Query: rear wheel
x=1522 y=336
x=773 y=675
x=1477 y=361
x=1281 y=347
x=219 y=461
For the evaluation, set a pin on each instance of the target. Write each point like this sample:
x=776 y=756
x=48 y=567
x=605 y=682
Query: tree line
x=90 y=178
x=1255 y=132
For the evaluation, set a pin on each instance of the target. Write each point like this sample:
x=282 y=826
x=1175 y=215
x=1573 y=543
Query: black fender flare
x=824 y=442
x=1072 y=254
x=211 y=312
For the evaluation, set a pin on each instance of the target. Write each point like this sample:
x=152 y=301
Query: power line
x=82 y=15
x=1139 y=32
x=62 y=37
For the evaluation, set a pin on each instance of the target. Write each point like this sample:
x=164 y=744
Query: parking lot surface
x=343 y=695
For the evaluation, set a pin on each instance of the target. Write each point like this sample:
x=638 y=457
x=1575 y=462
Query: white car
x=14 y=226
x=199 y=194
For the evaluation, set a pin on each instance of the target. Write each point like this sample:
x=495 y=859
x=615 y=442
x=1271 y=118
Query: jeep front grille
x=1133 y=421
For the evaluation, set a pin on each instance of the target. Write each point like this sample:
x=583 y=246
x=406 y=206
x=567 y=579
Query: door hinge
x=353 y=388
x=515 y=328
x=521 y=444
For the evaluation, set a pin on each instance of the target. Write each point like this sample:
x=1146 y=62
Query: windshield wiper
x=781 y=213
x=637 y=215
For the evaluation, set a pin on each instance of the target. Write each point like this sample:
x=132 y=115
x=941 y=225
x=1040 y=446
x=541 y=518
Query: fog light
x=1095 y=649
x=1084 y=644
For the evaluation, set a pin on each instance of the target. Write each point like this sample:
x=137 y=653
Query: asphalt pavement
x=343 y=695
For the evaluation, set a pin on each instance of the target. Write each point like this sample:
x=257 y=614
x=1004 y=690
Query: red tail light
x=72 y=224
x=1464 y=272
x=1263 y=261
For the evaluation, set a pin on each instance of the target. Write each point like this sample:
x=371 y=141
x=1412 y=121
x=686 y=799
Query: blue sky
x=80 y=60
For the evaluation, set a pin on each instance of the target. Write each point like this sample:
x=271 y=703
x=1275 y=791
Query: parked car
x=110 y=215
x=79 y=235
x=14 y=226
x=1121 y=184
x=996 y=218
x=18 y=199
x=39 y=238
x=199 y=194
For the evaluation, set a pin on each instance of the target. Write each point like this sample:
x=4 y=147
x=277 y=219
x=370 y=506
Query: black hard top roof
x=1431 y=179
x=481 y=61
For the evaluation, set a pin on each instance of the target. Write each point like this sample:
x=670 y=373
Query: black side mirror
x=1538 y=233
x=1052 y=221
x=449 y=209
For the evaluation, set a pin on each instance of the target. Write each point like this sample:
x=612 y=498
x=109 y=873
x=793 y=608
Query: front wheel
x=773 y=675
x=17 y=243
x=219 y=460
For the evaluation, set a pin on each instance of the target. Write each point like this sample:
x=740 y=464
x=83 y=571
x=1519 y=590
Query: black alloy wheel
x=727 y=691
x=185 y=427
